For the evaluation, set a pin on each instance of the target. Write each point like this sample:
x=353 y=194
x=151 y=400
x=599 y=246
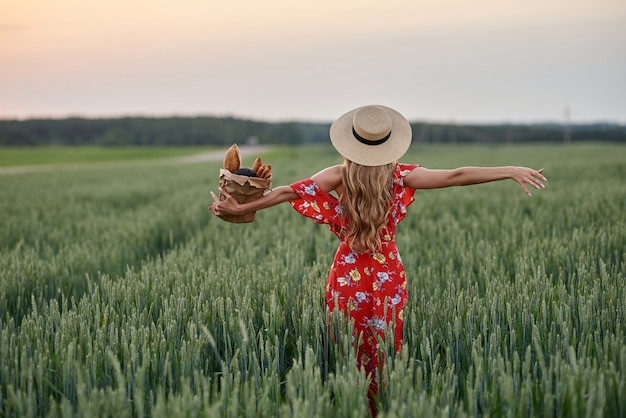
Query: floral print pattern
x=369 y=287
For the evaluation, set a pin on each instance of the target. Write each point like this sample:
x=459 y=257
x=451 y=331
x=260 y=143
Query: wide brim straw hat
x=371 y=135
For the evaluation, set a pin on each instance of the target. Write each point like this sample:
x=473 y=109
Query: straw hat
x=371 y=135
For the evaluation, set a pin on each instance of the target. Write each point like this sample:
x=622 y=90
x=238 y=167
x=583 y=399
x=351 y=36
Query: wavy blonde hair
x=367 y=201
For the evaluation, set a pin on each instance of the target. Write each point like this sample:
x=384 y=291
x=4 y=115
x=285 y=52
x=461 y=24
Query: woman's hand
x=228 y=206
x=525 y=176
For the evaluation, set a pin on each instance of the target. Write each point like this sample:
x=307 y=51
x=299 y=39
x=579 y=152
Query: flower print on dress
x=310 y=189
x=375 y=322
x=403 y=173
x=350 y=278
x=396 y=299
x=343 y=280
x=349 y=258
x=382 y=278
x=362 y=296
x=358 y=300
x=379 y=257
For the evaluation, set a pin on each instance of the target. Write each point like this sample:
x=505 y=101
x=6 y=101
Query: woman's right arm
x=423 y=178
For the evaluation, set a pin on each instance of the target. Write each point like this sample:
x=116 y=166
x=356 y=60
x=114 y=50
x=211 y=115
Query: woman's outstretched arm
x=229 y=206
x=423 y=178
x=328 y=179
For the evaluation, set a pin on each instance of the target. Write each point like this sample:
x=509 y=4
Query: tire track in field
x=217 y=155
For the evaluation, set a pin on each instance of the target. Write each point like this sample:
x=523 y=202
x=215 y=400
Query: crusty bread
x=264 y=171
x=257 y=164
x=232 y=159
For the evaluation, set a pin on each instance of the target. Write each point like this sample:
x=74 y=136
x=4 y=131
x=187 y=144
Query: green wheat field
x=121 y=296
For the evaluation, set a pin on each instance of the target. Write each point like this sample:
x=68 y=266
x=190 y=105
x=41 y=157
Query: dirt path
x=217 y=155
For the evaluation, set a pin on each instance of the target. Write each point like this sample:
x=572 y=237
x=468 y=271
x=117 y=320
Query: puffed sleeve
x=403 y=195
x=315 y=203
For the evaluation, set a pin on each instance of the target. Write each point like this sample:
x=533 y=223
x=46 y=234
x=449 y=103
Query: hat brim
x=349 y=147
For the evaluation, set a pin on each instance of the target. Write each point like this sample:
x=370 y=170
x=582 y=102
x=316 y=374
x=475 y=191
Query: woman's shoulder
x=402 y=169
x=332 y=171
x=329 y=179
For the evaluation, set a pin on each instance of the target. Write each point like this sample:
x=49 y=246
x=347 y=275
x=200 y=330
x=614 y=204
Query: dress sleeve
x=403 y=195
x=315 y=203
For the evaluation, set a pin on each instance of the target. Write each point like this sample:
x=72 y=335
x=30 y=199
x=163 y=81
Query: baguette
x=232 y=159
x=265 y=171
x=257 y=164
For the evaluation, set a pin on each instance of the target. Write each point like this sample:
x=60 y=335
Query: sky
x=479 y=61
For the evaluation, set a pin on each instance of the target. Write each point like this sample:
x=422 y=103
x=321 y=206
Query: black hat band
x=369 y=141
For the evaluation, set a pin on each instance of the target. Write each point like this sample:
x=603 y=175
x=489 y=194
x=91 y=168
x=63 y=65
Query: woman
x=367 y=280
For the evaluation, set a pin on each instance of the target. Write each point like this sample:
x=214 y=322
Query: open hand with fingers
x=525 y=177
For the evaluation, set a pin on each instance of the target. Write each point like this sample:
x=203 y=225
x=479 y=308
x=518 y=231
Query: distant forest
x=206 y=130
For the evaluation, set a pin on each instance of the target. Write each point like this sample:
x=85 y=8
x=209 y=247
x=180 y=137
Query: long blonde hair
x=367 y=201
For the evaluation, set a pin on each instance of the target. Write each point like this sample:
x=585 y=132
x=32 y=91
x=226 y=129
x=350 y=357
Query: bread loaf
x=232 y=159
x=257 y=164
x=264 y=171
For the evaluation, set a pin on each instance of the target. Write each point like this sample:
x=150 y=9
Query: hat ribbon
x=369 y=141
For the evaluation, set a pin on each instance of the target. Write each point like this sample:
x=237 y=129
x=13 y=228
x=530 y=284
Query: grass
x=121 y=296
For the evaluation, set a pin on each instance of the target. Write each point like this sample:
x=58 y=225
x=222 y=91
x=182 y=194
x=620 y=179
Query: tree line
x=218 y=131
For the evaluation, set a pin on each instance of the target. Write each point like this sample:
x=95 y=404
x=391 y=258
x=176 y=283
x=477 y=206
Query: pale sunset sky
x=438 y=60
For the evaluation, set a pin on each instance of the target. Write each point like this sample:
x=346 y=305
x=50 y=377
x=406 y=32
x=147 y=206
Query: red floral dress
x=369 y=287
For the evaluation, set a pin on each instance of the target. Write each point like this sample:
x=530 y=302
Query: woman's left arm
x=423 y=178
x=328 y=179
